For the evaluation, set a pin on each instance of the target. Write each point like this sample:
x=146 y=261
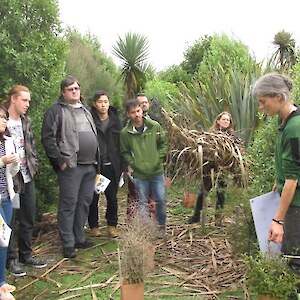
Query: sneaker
x=35 y=262
x=14 y=269
x=193 y=219
x=95 y=232
x=84 y=245
x=69 y=252
x=112 y=231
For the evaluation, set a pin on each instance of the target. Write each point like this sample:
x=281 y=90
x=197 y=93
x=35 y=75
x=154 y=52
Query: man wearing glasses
x=145 y=106
x=69 y=137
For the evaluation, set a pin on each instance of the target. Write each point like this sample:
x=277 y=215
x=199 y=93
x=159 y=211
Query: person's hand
x=63 y=166
x=274 y=188
x=275 y=232
x=10 y=158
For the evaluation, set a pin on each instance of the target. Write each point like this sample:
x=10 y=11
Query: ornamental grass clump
x=137 y=251
x=270 y=276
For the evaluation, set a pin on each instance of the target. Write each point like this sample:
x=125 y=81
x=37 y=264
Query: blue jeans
x=6 y=212
x=156 y=186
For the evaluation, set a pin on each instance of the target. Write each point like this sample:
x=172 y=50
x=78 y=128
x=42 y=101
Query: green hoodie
x=145 y=152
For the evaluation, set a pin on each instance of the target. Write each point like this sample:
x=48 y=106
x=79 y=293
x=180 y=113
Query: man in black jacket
x=108 y=129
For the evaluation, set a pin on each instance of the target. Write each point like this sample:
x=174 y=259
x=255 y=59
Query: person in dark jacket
x=69 y=137
x=108 y=126
x=19 y=126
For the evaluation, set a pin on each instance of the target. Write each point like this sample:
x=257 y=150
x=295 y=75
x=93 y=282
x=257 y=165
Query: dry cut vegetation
x=189 y=264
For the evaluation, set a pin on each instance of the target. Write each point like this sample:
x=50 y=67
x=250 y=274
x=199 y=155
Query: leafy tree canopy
x=91 y=66
x=31 y=51
x=195 y=54
x=175 y=74
x=161 y=91
x=227 y=52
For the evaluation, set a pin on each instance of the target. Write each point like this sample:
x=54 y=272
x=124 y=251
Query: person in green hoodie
x=144 y=146
x=273 y=94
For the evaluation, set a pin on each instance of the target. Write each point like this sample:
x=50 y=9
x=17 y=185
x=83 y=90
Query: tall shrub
x=32 y=53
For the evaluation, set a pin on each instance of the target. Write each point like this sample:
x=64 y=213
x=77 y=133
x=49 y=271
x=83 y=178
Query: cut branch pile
x=196 y=152
x=200 y=265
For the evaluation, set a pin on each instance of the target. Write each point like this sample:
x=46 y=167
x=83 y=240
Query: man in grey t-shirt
x=69 y=137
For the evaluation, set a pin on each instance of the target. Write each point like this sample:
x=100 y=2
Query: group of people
x=81 y=142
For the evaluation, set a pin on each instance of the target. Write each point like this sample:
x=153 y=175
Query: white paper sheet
x=263 y=209
x=101 y=184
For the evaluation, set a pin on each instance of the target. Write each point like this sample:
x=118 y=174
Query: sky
x=171 y=26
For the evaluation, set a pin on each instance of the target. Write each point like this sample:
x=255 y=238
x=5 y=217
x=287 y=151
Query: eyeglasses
x=76 y=89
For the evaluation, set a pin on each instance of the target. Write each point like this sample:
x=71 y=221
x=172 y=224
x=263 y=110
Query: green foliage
x=32 y=53
x=222 y=83
x=244 y=240
x=226 y=52
x=133 y=53
x=91 y=66
x=162 y=91
x=296 y=82
x=285 y=55
x=221 y=90
x=261 y=154
x=195 y=54
x=175 y=74
x=270 y=276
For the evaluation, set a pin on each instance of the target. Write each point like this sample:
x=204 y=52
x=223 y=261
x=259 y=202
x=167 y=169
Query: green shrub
x=270 y=276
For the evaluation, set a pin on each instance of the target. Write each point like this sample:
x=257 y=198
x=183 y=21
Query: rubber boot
x=219 y=209
x=195 y=218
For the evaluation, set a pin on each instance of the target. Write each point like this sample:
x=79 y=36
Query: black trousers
x=207 y=185
x=111 y=199
x=25 y=216
x=291 y=237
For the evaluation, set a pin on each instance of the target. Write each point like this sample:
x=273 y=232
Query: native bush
x=270 y=276
x=261 y=154
x=32 y=53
